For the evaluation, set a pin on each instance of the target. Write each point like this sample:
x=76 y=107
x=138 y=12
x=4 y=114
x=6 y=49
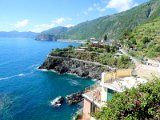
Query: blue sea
x=25 y=91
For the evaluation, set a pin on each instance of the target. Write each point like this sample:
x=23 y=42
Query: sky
x=39 y=15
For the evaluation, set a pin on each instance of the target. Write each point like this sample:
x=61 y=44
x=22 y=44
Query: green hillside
x=114 y=25
x=145 y=39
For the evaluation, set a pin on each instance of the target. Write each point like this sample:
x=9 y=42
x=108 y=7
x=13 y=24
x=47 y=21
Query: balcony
x=93 y=94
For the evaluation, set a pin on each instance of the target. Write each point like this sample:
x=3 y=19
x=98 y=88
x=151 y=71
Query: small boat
x=57 y=101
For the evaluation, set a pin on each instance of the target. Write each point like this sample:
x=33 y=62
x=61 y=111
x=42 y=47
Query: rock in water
x=74 y=98
x=57 y=101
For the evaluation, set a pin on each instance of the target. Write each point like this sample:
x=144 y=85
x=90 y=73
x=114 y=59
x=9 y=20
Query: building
x=154 y=63
x=81 y=49
x=111 y=82
x=92 y=39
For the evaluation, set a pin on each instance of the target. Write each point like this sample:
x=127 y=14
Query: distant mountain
x=52 y=34
x=114 y=25
x=56 y=30
x=18 y=34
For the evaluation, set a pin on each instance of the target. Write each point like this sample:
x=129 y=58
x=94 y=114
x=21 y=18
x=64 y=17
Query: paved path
x=89 y=62
x=144 y=71
x=135 y=60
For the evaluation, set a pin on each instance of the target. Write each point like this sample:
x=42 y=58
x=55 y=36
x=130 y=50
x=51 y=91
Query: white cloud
x=136 y=4
x=42 y=27
x=104 y=5
x=59 y=20
x=21 y=24
x=90 y=9
x=95 y=6
x=54 y=23
x=69 y=25
x=85 y=12
x=121 y=5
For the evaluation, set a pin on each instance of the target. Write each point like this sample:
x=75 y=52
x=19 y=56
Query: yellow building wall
x=117 y=74
x=124 y=73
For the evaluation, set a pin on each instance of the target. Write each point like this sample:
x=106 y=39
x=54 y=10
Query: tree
x=105 y=37
x=145 y=40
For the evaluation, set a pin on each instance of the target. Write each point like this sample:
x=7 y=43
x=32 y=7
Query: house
x=108 y=42
x=154 y=63
x=111 y=82
x=92 y=39
x=81 y=49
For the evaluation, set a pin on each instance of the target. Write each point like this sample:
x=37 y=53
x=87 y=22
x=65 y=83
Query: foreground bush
x=140 y=103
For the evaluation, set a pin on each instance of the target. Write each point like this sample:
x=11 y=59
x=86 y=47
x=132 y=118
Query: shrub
x=142 y=103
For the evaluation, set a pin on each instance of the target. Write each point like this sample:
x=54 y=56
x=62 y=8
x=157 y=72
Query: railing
x=112 y=80
x=95 y=92
x=92 y=87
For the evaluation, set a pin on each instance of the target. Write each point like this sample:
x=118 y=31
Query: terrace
x=94 y=96
x=121 y=84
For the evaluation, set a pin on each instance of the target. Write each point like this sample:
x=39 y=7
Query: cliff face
x=73 y=66
x=45 y=37
x=51 y=34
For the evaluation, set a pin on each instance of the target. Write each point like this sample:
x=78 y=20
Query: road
x=135 y=60
x=144 y=71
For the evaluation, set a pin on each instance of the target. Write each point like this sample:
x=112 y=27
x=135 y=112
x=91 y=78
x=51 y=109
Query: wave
x=21 y=74
x=33 y=66
x=17 y=75
x=74 y=83
x=44 y=70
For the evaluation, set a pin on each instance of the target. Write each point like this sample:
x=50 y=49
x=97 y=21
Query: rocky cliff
x=45 y=37
x=74 y=66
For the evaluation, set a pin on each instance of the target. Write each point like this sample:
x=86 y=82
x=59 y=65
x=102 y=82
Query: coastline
x=69 y=40
x=84 y=69
x=45 y=70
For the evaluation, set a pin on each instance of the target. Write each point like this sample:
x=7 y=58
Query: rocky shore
x=74 y=66
x=74 y=98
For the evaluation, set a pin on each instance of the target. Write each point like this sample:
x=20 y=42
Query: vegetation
x=144 y=40
x=120 y=62
x=113 y=25
x=103 y=54
x=105 y=37
x=142 y=103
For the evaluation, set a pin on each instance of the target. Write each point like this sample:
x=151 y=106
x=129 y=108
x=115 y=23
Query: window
x=109 y=94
